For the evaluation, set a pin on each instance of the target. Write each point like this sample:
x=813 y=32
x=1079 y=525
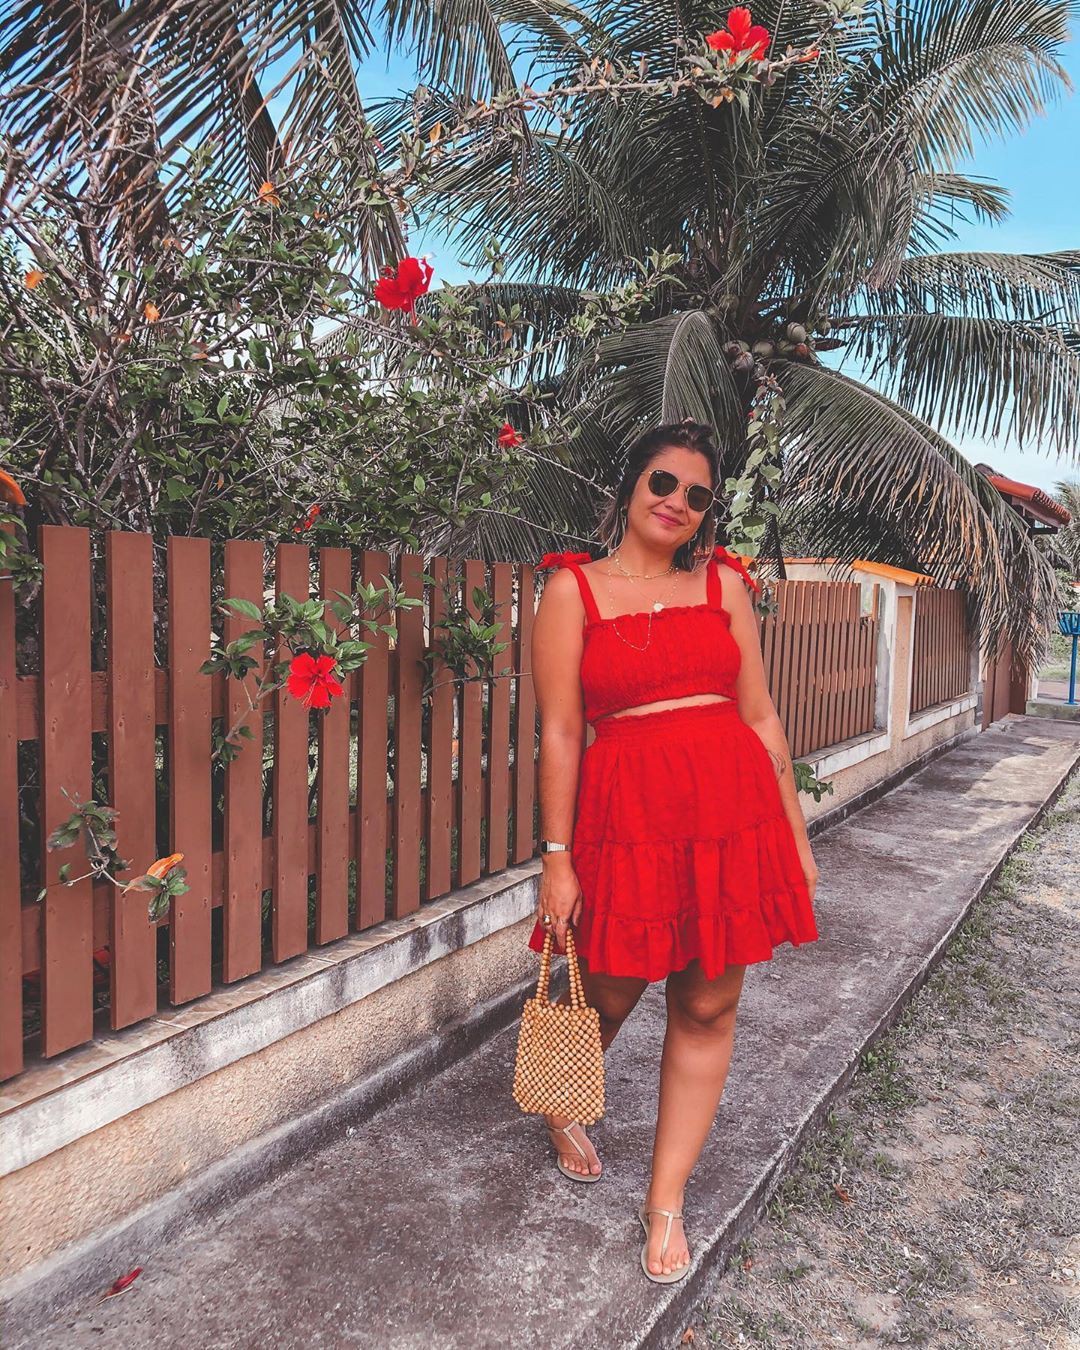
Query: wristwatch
x=549 y=846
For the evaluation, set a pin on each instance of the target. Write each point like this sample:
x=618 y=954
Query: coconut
x=824 y=328
x=744 y=362
x=796 y=332
x=801 y=350
x=764 y=349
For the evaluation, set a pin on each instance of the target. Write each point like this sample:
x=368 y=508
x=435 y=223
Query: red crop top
x=691 y=651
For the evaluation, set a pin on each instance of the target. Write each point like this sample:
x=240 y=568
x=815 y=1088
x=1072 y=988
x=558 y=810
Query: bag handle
x=543 y=985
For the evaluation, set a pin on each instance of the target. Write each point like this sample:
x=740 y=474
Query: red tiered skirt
x=682 y=847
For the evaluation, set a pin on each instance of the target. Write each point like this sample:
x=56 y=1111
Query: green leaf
x=244 y=607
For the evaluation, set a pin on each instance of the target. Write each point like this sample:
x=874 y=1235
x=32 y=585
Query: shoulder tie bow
x=733 y=561
x=561 y=560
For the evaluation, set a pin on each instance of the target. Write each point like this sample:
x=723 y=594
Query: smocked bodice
x=691 y=650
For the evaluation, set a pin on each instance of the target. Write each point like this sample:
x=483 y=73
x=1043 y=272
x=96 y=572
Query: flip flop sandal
x=675 y=1275
x=587 y=1177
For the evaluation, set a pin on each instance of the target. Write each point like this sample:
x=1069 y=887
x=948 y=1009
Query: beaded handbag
x=560 y=1061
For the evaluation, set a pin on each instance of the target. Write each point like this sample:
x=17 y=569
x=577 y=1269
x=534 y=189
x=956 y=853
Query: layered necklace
x=655 y=606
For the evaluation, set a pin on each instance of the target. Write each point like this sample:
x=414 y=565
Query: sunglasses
x=663 y=484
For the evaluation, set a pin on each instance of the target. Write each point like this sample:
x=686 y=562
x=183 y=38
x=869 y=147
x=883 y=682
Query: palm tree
x=96 y=98
x=1066 y=543
x=810 y=229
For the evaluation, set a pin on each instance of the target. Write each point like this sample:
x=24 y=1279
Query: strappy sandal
x=675 y=1275
x=587 y=1177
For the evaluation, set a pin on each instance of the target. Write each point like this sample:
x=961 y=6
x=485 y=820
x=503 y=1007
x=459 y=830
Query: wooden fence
x=391 y=801
x=820 y=654
x=324 y=824
x=941 y=655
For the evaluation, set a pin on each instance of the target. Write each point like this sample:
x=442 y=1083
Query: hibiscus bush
x=201 y=394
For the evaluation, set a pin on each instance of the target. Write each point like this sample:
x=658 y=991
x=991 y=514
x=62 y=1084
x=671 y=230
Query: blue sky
x=1039 y=170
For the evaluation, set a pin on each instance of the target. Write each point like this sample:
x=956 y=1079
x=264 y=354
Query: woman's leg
x=693 y=1068
x=614 y=997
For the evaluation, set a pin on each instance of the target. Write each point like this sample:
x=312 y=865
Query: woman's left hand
x=809 y=866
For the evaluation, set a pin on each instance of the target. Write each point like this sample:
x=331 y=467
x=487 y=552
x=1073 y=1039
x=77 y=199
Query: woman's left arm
x=758 y=711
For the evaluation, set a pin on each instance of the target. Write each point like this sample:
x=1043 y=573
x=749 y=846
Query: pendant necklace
x=655 y=606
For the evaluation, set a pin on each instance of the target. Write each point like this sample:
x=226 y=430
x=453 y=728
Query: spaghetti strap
x=592 y=613
x=714 y=590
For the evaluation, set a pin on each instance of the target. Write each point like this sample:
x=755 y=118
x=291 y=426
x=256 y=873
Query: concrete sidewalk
x=443 y=1222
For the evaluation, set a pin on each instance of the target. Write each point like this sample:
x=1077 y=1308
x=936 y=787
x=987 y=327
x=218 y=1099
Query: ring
x=546 y=920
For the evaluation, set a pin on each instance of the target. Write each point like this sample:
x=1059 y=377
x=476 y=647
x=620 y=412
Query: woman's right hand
x=560 y=896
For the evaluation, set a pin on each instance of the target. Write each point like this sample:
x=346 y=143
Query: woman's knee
x=707 y=1007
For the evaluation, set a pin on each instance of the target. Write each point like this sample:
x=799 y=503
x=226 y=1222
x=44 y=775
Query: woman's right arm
x=556 y=669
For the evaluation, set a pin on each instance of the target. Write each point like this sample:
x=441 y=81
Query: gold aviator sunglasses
x=663 y=483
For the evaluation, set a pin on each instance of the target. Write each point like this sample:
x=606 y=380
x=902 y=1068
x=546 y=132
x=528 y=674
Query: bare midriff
x=689 y=701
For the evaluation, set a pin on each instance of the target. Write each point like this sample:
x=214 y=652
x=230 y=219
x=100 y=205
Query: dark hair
x=696 y=436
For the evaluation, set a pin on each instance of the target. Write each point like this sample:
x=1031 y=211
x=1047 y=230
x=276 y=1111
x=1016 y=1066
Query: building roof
x=1031 y=502
x=900 y=574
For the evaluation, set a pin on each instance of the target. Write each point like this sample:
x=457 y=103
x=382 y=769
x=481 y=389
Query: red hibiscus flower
x=309 y=519
x=400 y=289
x=741 y=36
x=508 y=437
x=10 y=491
x=312 y=680
x=561 y=560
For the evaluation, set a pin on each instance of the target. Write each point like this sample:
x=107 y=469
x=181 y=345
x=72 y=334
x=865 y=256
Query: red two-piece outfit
x=680 y=842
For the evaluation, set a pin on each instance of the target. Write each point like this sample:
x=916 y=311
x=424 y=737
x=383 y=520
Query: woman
x=675 y=844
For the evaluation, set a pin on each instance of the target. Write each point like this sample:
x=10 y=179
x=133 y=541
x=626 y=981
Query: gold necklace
x=641 y=576
x=655 y=607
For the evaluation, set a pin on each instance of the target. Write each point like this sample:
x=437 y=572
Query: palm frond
x=960 y=71
x=856 y=460
x=985 y=376
x=667 y=369
x=1034 y=287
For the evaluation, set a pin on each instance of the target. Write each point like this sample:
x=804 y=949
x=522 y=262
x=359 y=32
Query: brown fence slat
x=245 y=579
x=940 y=657
x=408 y=684
x=866 y=639
x=67 y=928
x=780 y=676
x=802 y=658
x=129 y=585
x=289 y=816
x=497 y=806
x=819 y=652
x=524 y=721
x=470 y=750
x=188 y=581
x=838 y=671
x=839 y=591
x=371 y=822
x=11 y=1027
x=335 y=733
x=845 y=723
x=440 y=786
